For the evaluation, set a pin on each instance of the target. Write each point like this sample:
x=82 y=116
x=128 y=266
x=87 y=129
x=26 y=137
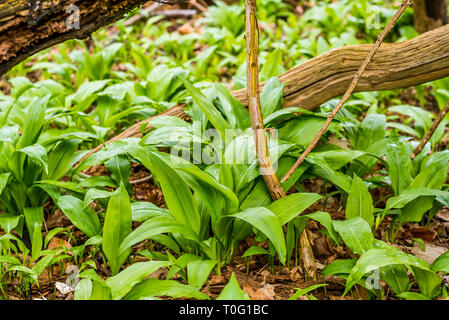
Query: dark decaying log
x=29 y=26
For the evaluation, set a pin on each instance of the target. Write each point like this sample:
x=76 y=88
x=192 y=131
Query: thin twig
x=133 y=182
x=405 y=4
x=144 y=13
x=431 y=131
x=263 y=156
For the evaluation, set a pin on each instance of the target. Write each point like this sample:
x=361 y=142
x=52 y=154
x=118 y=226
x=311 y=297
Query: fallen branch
x=431 y=131
x=399 y=65
x=404 y=5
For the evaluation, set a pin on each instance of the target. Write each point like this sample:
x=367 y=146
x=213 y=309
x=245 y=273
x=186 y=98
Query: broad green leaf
x=301 y=131
x=4 y=178
x=441 y=264
x=34 y=218
x=232 y=291
x=177 y=194
x=34 y=122
x=289 y=207
x=412 y=296
x=198 y=271
x=254 y=250
x=212 y=114
x=360 y=201
x=8 y=221
x=60 y=157
x=93 y=194
x=370 y=131
x=380 y=257
x=356 y=233
x=84 y=219
x=143 y=211
x=268 y=223
x=272 y=96
x=123 y=282
x=326 y=221
x=38 y=154
x=428 y=281
x=154 y=287
x=117 y=226
x=302 y=292
x=152 y=227
x=399 y=167
x=83 y=290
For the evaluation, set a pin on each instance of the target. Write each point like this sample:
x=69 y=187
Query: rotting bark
x=395 y=66
x=29 y=26
x=429 y=14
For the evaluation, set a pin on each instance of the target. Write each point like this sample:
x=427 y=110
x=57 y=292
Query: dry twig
x=431 y=131
x=404 y=5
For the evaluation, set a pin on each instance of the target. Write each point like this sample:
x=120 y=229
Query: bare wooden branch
x=405 y=4
x=431 y=131
x=398 y=65
x=252 y=74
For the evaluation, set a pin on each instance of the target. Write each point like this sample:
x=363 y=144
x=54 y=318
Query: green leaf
x=212 y=114
x=268 y=223
x=83 y=290
x=117 y=226
x=8 y=221
x=428 y=281
x=272 y=96
x=123 y=282
x=399 y=167
x=302 y=292
x=356 y=233
x=154 y=287
x=441 y=264
x=198 y=271
x=84 y=219
x=178 y=197
x=370 y=131
x=360 y=201
x=291 y=206
x=38 y=154
x=380 y=257
x=254 y=250
x=59 y=159
x=412 y=296
x=34 y=218
x=4 y=178
x=301 y=131
x=152 y=227
x=143 y=211
x=232 y=291
x=34 y=122
x=93 y=194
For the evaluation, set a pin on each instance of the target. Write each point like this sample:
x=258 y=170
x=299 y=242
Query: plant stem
x=431 y=131
x=404 y=5
x=263 y=156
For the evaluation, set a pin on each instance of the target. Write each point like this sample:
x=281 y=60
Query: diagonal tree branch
x=404 y=5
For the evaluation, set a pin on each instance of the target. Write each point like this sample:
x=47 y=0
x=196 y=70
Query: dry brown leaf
x=58 y=244
x=216 y=279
